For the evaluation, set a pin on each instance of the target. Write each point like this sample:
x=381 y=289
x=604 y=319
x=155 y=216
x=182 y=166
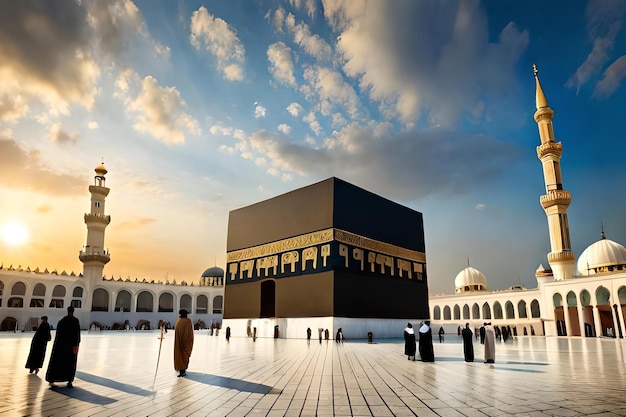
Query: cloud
x=407 y=165
x=480 y=206
x=44 y=209
x=58 y=135
x=314 y=125
x=278 y=19
x=12 y=107
x=310 y=6
x=310 y=43
x=328 y=90
x=284 y=128
x=260 y=112
x=219 y=39
x=158 y=111
x=611 y=79
x=92 y=124
x=604 y=22
x=281 y=65
x=46 y=55
x=295 y=109
x=424 y=58
x=24 y=169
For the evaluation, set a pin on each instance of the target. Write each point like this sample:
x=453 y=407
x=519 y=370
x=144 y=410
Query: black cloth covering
x=38 y=347
x=427 y=353
x=62 y=366
x=468 y=344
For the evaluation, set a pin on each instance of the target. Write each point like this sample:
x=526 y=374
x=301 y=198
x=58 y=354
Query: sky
x=198 y=108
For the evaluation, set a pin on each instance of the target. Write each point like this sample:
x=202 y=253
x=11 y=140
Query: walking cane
x=161 y=337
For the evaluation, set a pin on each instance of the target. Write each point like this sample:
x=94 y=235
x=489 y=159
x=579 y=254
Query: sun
x=14 y=233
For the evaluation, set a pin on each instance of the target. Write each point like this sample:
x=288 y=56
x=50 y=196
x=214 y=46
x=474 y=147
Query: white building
x=587 y=298
x=100 y=302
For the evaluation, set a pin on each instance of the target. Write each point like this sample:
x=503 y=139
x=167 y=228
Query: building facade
x=101 y=302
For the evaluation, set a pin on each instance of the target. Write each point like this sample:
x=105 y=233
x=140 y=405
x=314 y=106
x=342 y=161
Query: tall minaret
x=94 y=255
x=556 y=200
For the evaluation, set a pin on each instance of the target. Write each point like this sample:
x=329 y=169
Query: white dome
x=470 y=279
x=601 y=254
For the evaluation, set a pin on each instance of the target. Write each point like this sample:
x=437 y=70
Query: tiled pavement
x=533 y=376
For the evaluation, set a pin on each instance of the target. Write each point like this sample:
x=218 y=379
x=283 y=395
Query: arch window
x=475 y=311
x=166 y=303
x=217 y=304
x=57 y=297
x=521 y=308
x=534 y=309
x=557 y=300
x=19 y=288
x=497 y=310
x=487 y=311
x=78 y=292
x=122 y=302
x=185 y=302
x=585 y=298
x=100 y=300
x=437 y=313
x=145 y=302
x=602 y=296
x=457 y=312
x=571 y=299
x=510 y=310
x=39 y=290
x=447 y=315
x=466 y=312
x=621 y=295
x=202 y=304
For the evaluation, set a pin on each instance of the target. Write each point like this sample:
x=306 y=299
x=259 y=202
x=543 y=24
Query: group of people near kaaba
x=64 y=356
x=424 y=342
x=62 y=365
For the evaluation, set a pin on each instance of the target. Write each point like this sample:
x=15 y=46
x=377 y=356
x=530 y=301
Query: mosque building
x=584 y=298
x=101 y=302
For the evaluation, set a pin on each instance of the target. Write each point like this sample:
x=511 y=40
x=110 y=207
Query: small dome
x=213 y=272
x=602 y=256
x=101 y=169
x=470 y=279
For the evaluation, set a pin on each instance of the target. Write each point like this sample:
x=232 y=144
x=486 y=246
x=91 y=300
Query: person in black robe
x=62 y=366
x=409 y=342
x=38 y=346
x=427 y=353
x=468 y=346
x=482 y=334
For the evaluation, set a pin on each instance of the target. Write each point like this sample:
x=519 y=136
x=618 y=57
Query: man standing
x=38 y=346
x=468 y=347
x=183 y=342
x=490 y=344
x=62 y=366
x=426 y=343
x=409 y=341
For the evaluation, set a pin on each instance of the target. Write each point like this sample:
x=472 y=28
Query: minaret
x=93 y=255
x=556 y=200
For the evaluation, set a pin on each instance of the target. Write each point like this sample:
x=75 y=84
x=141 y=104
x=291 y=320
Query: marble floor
x=533 y=376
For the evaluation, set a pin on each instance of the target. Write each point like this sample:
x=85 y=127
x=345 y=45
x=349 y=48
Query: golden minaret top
x=540 y=98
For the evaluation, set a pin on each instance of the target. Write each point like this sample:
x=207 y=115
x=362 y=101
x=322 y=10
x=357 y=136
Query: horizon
x=201 y=108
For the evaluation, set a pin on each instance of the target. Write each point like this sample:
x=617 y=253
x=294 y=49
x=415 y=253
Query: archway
x=559 y=314
x=8 y=324
x=510 y=310
x=122 y=303
x=497 y=310
x=487 y=312
x=466 y=312
x=587 y=311
x=457 y=312
x=475 y=311
x=572 y=311
x=437 y=313
x=268 y=298
x=100 y=300
x=447 y=315
x=605 y=312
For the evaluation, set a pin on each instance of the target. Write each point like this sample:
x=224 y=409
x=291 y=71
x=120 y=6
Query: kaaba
x=330 y=249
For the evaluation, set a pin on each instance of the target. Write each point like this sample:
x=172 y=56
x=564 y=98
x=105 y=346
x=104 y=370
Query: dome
x=470 y=279
x=101 y=169
x=602 y=256
x=213 y=272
